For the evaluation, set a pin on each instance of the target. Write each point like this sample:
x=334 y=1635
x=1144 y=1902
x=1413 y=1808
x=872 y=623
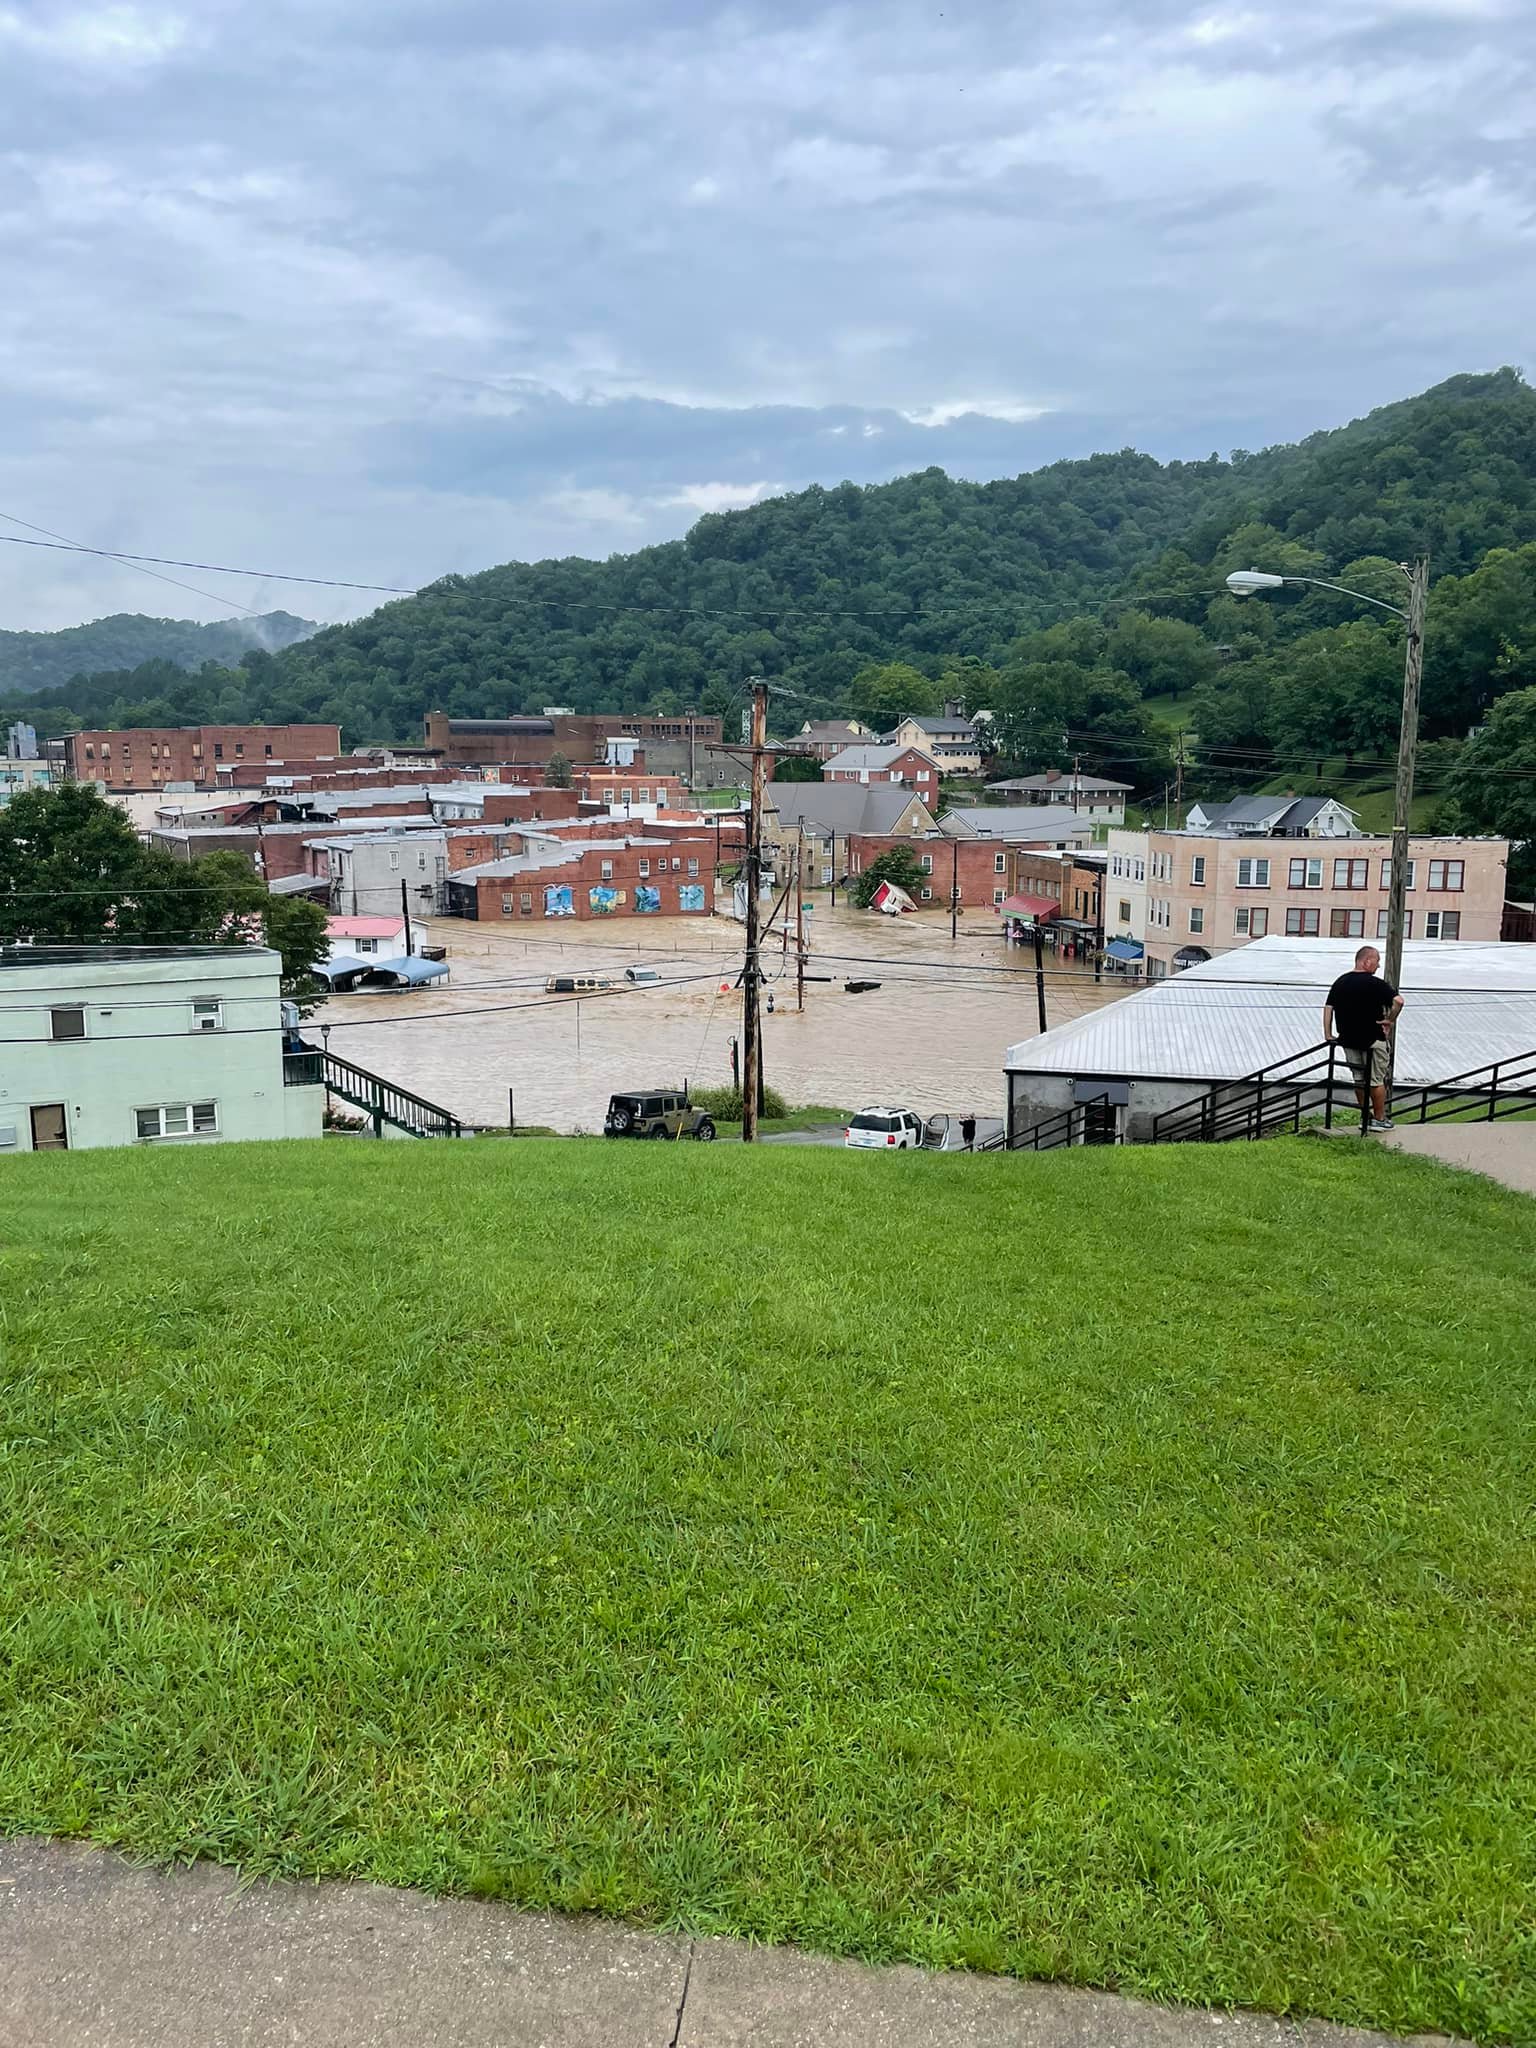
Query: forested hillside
x=38 y=661
x=1076 y=602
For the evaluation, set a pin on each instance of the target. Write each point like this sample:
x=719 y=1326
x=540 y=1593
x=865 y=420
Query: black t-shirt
x=1359 y=1002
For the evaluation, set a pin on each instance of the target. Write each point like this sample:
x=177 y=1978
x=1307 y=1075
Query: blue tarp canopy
x=409 y=972
x=340 y=966
x=1124 y=949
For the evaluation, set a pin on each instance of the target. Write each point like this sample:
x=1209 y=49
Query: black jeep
x=664 y=1113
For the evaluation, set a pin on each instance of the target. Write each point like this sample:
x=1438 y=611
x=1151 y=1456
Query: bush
x=724 y=1104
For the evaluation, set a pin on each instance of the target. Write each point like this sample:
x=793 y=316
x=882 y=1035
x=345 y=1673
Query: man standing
x=1360 y=1012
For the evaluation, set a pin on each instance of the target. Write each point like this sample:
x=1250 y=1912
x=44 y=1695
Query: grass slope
x=1114 y=1567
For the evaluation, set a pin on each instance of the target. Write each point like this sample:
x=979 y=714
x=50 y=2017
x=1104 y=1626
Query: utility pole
x=800 y=922
x=1407 y=748
x=954 y=890
x=405 y=912
x=751 y=1023
x=1040 y=973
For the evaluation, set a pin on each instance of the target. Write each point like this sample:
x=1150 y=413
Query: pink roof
x=363 y=927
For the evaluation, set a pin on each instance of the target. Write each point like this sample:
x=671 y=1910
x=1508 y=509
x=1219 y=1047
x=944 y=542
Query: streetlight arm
x=1322 y=583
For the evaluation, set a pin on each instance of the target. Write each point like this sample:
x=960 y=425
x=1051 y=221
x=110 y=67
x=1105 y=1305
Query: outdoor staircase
x=1316 y=1086
x=380 y=1100
x=1082 y=1124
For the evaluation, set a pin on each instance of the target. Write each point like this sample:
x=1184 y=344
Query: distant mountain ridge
x=42 y=661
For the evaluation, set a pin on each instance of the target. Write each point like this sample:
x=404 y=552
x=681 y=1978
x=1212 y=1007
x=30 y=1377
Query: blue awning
x=409 y=972
x=1124 y=949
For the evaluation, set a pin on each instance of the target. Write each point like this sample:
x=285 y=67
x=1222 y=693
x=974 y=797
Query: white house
x=1099 y=797
x=126 y=1045
x=1275 y=817
x=374 y=938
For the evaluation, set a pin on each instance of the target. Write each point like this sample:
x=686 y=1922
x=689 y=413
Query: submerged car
x=658 y=1113
x=880 y=1128
x=576 y=985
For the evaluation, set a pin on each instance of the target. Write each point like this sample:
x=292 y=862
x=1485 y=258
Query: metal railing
x=1261 y=1104
x=382 y=1101
x=1067 y=1127
x=1281 y=1096
x=1482 y=1094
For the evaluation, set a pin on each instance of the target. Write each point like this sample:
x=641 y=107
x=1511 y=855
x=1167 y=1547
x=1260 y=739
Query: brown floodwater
x=931 y=1037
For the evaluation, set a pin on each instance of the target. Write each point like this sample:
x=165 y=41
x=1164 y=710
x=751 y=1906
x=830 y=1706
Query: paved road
x=97 y=1954
x=1504 y=1151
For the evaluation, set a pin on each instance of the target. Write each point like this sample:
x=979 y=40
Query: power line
x=64 y=541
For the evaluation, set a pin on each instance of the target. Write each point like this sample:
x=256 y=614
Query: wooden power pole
x=751 y=1023
x=1407 y=748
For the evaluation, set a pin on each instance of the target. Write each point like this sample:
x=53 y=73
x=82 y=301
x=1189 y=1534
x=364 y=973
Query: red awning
x=1039 y=907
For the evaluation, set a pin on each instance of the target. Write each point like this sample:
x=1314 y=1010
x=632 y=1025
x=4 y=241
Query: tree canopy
x=73 y=871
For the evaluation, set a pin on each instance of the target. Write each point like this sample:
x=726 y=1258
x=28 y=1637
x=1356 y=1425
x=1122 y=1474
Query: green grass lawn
x=1113 y=1566
x=1174 y=710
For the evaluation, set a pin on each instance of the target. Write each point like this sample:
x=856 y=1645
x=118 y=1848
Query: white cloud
x=95 y=35
x=949 y=410
x=720 y=497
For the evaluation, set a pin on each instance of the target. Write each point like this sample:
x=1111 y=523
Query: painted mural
x=558 y=901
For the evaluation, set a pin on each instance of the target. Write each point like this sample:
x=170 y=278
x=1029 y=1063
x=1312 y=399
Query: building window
x=997 y=895
x=1301 y=924
x=239 y=749
x=64 y=1024
x=999 y=863
x=197 y=750
x=506 y=906
x=394 y=861
x=1351 y=874
x=1197 y=871
x=605 y=871
x=177 y=1120
x=1253 y=874
x=266 y=750
x=1114 y=864
x=693 y=866
x=1346 y=924
x=1125 y=911
x=207 y=1014
x=645 y=871
x=525 y=903
x=926 y=863
x=1258 y=924
x=1442 y=924
x=1446 y=874
x=1381 y=924
x=626 y=796
x=1197 y=920
x=366 y=945
x=1386 y=874
x=90 y=753
x=1240 y=923
x=1141 y=870
x=1306 y=874
x=927 y=894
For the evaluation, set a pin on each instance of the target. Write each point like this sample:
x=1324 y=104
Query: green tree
x=1492 y=787
x=1160 y=656
x=558 y=772
x=72 y=869
x=796 y=768
x=900 y=866
x=69 y=863
x=889 y=691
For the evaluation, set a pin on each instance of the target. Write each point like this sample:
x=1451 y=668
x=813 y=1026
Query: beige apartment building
x=1186 y=896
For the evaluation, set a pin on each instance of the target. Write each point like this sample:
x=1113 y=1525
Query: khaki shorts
x=1375 y=1060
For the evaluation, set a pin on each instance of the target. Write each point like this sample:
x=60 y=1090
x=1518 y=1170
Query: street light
x=1248 y=583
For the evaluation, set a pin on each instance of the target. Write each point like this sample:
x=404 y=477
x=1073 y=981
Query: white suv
x=881 y=1128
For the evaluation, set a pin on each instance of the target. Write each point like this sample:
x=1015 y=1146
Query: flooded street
x=931 y=1036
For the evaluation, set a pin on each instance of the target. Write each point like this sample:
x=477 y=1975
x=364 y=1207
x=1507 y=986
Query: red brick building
x=635 y=876
x=580 y=736
x=871 y=765
x=149 y=756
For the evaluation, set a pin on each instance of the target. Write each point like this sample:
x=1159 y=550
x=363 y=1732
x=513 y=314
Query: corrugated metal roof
x=1463 y=1006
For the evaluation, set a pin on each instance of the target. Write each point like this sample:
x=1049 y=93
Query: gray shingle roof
x=841 y=806
x=1016 y=821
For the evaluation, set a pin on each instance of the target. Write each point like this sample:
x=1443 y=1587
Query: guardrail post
x=1328 y=1105
x=1493 y=1092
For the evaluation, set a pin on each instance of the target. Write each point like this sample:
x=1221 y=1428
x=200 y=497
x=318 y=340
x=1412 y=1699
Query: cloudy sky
x=381 y=288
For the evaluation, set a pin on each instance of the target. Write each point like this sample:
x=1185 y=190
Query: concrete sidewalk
x=1502 y=1151
x=97 y=1954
